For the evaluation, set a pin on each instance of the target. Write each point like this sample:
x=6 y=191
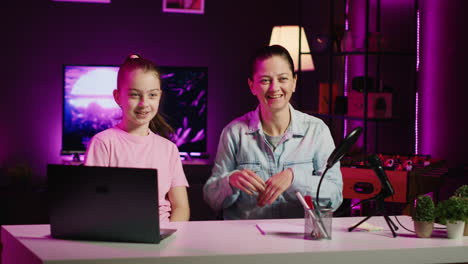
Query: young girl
x=267 y=155
x=140 y=139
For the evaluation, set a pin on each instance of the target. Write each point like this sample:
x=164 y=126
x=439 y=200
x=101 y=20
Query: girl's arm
x=179 y=204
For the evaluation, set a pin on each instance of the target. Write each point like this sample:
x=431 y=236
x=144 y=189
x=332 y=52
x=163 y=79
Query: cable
x=320 y=183
x=438 y=228
x=403 y=225
x=393 y=199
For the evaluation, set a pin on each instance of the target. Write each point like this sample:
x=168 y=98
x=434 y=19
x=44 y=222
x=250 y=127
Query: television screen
x=89 y=106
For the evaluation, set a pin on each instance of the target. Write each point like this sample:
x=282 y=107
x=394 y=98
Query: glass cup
x=318 y=225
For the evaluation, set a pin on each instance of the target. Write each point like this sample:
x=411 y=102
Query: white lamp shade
x=288 y=37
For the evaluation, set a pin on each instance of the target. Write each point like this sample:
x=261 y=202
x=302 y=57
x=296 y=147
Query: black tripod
x=380 y=209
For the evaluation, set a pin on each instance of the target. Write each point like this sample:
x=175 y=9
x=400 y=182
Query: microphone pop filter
x=344 y=146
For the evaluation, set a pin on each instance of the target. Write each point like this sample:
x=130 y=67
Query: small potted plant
x=424 y=216
x=462 y=192
x=453 y=213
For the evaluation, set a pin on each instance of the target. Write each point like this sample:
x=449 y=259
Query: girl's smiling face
x=139 y=95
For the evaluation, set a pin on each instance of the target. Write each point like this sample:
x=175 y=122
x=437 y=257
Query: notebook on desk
x=105 y=204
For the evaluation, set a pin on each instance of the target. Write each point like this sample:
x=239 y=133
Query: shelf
x=346 y=117
x=379 y=62
x=363 y=53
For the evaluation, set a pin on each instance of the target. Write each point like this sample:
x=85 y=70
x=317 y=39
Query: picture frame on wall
x=184 y=6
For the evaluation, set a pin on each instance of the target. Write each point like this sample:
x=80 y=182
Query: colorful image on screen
x=89 y=107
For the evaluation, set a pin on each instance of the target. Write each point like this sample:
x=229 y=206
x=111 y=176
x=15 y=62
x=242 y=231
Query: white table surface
x=239 y=242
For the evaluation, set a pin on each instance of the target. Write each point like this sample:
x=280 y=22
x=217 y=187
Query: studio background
x=38 y=37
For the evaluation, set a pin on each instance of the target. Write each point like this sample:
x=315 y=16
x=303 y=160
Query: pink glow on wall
x=416 y=108
x=357 y=25
x=416 y=125
x=443 y=93
x=355 y=64
x=345 y=86
x=430 y=96
x=85 y=1
x=345 y=93
x=418 y=27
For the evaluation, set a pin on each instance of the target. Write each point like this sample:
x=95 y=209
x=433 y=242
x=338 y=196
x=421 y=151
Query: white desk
x=239 y=242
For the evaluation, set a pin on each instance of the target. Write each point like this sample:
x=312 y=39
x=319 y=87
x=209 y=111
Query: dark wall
x=40 y=36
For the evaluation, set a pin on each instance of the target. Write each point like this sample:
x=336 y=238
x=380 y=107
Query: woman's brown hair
x=266 y=52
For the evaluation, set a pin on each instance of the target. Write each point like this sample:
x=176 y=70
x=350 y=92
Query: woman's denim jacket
x=305 y=148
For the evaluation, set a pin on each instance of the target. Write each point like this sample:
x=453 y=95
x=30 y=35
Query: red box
x=352 y=177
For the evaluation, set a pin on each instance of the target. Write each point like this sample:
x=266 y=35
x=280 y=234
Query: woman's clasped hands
x=266 y=191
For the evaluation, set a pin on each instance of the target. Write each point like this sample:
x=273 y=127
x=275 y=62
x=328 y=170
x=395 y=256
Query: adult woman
x=267 y=155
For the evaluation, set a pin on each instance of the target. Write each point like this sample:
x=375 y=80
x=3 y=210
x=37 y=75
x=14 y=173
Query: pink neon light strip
x=345 y=89
x=345 y=92
x=416 y=126
x=346 y=14
x=417 y=40
x=416 y=110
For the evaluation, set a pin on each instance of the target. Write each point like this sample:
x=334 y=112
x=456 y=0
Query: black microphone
x=376 y=164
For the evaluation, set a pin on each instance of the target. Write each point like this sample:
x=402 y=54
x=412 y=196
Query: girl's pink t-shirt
x=114 y=147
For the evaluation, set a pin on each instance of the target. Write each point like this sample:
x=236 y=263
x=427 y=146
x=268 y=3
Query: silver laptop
x=104 y=204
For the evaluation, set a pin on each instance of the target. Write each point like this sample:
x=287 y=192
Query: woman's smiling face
x=273 y=83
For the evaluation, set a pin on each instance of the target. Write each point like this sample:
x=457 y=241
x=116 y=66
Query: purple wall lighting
x=431 y=76
x=354 y=65
x=345 y=81
x=443 y=92
x=416 y=103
